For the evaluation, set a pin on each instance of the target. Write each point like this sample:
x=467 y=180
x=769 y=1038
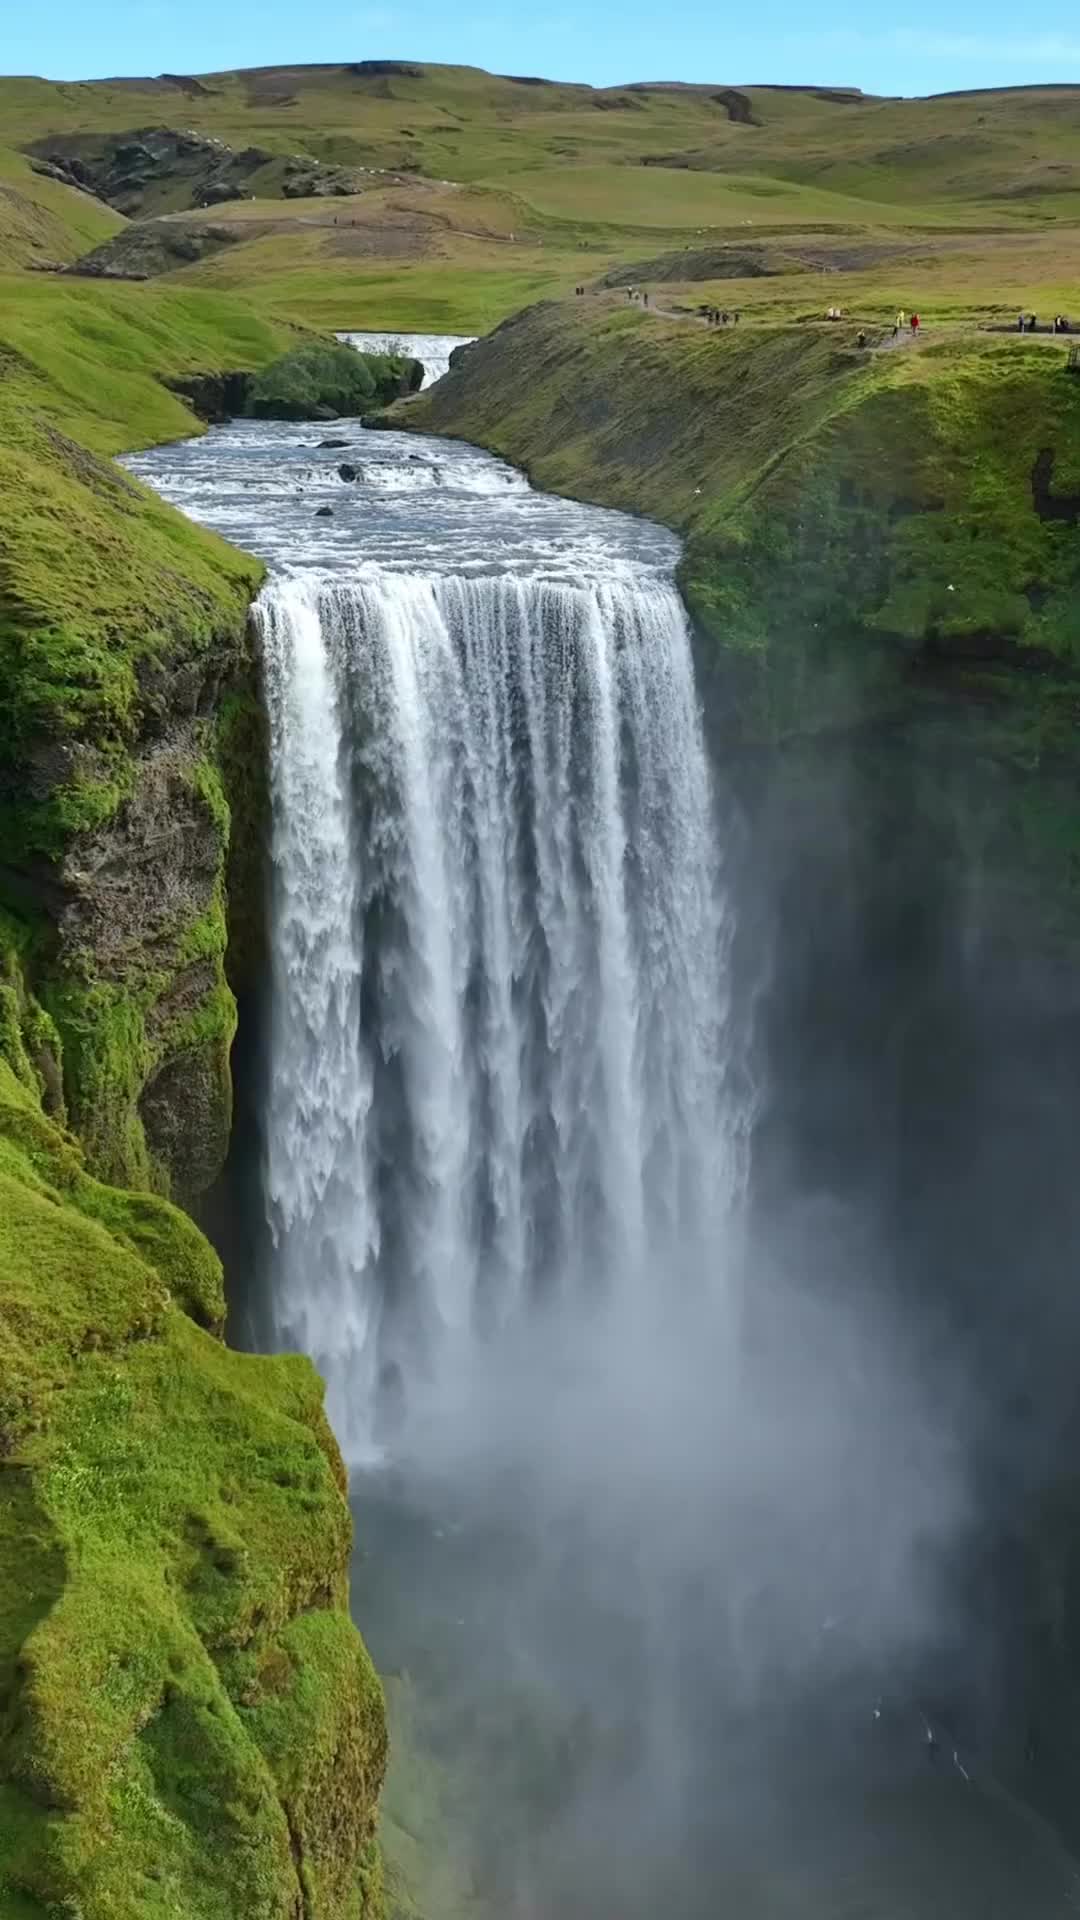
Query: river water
x=651 y=1575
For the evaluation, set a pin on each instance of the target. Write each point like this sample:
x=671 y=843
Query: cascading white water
x=433 y=350
x=499 y=1023
x=497 y=937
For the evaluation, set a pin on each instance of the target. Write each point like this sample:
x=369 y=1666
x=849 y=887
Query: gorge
x=703 y=1539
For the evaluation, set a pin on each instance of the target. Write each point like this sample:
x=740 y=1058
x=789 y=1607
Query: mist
x=724 y=1591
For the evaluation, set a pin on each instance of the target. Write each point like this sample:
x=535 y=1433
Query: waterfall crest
x=499 y=954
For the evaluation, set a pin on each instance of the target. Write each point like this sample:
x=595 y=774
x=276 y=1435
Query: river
x=650 y=1537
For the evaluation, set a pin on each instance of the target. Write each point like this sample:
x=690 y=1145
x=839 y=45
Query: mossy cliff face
x=115 y=831
x=189 y=1722
x=124 y=662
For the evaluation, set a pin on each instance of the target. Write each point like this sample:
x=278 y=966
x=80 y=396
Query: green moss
x=166 y=1240
x=168 y=1509
x=107 y=1061
x=321 y=1741
x=190 y=1722
x=104 y=643
x=29 y=1040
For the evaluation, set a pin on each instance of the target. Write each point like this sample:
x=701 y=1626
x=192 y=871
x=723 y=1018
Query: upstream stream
x=652 y=1536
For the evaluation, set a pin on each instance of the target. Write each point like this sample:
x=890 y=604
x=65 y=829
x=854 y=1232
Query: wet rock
x=346 y=472
x=333 y=443
x=215 y=397
x=324 y=513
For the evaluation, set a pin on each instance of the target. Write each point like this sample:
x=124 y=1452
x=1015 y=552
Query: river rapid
x=651 y=1534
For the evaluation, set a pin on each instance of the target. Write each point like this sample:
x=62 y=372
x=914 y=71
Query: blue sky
x=882 y=48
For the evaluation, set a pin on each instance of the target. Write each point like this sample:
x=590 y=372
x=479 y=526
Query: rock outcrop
x=152 y=170
x=147 y=248
x=214 y=397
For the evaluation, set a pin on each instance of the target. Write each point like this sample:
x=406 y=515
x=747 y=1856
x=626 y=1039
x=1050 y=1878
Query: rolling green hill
x=387 y=192
x=1016 y=150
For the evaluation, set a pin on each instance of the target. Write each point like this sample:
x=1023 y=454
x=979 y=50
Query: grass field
x=678 y=199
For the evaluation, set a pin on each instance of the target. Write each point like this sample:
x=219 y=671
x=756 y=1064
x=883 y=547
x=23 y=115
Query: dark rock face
x=151 y=247
x=346 y=472
x=141 y=917
x=704 y=263
x=165 y=169
x=385 y=69
x=215 y=397
x=307 y=180
x=737 y=106
x=50 y=172
x=324 y=513
x=153 y=167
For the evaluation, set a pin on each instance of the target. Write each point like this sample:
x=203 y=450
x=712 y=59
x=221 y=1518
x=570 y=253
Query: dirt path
x=887 y=344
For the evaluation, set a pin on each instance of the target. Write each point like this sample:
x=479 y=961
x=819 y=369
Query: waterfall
x=433 y=350
x=499 y=942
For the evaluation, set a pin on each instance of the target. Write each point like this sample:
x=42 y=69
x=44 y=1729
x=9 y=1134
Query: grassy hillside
x=45 y=221
x=856 y=522
x=880 y=550
x=1016 y=149
x=449 y=197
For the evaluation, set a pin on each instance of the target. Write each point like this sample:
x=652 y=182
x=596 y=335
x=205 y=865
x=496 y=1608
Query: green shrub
x=320 y=381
